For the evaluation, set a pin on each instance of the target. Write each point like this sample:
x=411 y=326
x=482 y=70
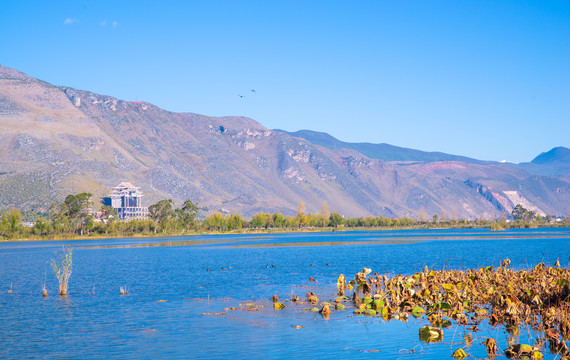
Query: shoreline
x=68 y=237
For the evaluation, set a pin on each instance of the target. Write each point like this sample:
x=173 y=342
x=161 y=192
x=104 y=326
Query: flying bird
x=241 y=96
x=253 y=91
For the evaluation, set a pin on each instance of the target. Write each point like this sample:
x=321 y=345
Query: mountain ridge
x=56 y=140
x=381 y=151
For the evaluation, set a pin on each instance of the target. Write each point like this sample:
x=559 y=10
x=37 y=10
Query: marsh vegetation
x=536 y=299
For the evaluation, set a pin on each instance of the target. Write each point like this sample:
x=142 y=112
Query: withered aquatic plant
x=537 y=298
x=62 y=269
x=44 y=289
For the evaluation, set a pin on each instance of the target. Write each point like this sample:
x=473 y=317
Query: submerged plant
x=62 y=269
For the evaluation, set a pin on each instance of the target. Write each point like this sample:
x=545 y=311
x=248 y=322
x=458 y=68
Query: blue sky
x=485 y=79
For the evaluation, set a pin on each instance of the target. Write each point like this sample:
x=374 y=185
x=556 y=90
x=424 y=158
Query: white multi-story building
x=127 y=199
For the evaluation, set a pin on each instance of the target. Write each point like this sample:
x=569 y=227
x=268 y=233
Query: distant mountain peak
x=557 y=154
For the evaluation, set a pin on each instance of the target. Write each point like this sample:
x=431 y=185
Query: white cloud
x=104 y=23
x=70 y=21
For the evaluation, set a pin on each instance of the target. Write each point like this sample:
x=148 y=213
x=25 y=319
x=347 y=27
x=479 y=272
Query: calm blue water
x=94 y=321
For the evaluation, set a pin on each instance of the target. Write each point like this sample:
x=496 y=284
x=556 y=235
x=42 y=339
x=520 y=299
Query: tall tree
x=109 y=214
x=301 y=214
x=235 y=222
x=279 y=220
x=41 y=226
x=261 y=220
x=336 y=219
x=326 y=213
x=14 y=218
x=301 y=209
x=520 y=213
x=215 y=221
x=161 y=212
x=187 y=213
x=75 y=208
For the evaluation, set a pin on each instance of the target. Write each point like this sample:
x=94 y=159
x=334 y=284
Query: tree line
x=75 y=217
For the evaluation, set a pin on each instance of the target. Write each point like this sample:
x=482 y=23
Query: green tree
x=215 y=222
x=89 y=224
x=161 y=212
x=261 y=220
x=336 y=219
x=279 y=220
x=41 y=226
x=384 y=221
x=315 y=220
x=292 y=222
x=520 y=213
x=75 y=208
x=235 y=222
x=14 y=219
x=187 y=214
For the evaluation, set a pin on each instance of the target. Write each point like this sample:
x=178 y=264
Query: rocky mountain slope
x=57 y=140
x=384 y=152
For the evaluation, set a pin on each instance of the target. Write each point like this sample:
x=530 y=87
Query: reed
x=44 y=289
x=62 y=269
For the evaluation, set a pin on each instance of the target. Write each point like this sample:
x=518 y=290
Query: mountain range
x=56 y=140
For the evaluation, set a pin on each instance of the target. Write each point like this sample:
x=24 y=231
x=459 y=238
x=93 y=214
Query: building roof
x=126 y=184
x=125 y=188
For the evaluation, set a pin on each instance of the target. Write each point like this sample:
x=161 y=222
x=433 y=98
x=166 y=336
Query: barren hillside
x=57 y=140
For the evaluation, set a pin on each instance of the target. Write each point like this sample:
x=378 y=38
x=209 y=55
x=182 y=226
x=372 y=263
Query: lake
x=177 y=286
